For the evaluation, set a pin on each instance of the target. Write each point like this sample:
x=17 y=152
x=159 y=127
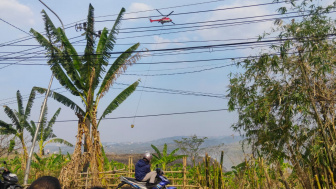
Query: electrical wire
x=167 y=62
x=164 y=8
x=236 y=19
x=182 y=73
x=195 y=47
x=173 y=27
x=156 y=115
x=153 y=90
x=170 y=42
x=188 y=24
x=25 y=58
x=204 y=11
x=24 y=39
x=14 y=26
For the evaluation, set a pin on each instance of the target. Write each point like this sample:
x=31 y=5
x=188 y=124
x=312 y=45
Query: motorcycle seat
x=134 y=180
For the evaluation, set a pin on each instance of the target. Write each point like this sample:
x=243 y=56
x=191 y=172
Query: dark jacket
x=141 y=169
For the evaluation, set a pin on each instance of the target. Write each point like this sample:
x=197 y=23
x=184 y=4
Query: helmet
x=147 y=156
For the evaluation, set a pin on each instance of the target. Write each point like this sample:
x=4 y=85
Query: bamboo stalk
x=332 y=177
x=220 y=174
x=207 y=170
x=326 y=178
x=184 y=172
x=86 y=180
x=318 y=182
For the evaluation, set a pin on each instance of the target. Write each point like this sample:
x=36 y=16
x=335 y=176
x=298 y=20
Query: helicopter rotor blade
x=159 y=12
x=170 y=13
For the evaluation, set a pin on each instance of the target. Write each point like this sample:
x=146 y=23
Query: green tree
x=285 y=99
x=46 y=134
x=164 y=158
x=19 y=120
x=88 y=77
x=191 y=146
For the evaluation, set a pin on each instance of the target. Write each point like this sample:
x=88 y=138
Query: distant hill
x=140 y=147
x=213 y=146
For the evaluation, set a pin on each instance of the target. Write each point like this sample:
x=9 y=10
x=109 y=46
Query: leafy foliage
x=81 y=76
x=46 y=134
x=191 y=146
x=162 y=159
x=19 y=120
x=285 y=98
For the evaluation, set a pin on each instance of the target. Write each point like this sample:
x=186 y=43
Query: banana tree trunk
x=96 y=156
x=69 y=175
x=41 y=148
x=87 y=141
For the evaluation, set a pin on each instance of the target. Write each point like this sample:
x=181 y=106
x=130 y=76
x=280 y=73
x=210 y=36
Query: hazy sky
x=211 y=82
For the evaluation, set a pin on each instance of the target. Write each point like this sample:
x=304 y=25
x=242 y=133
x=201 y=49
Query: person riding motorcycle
x=143 y=171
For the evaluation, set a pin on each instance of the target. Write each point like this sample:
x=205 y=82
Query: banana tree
x=46 y=134
x=87 y=77
x=19 y=120
x=164 y=158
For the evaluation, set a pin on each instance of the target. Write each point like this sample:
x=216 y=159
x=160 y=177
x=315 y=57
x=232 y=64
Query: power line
x=24 y=39
x=170 y=42
x=253 y=21
x=196 y=47
x=18 y=62
x=25 y=58
x=197 y=12
x=167 y=62
x=204 y=27
x=217 y=27
x=173 y=53
x=151 y=10
x=24 y=97
x=184 y=48
x=158 y=90
x=165 y=89
x=187 y=24
x=182 y=73
x=164 y=8
x=175 y=91
x=156 y=115
x=180 y=53
x=14 y=26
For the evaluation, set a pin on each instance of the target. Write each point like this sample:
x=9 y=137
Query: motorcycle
x=161 y=182
x=10 y=180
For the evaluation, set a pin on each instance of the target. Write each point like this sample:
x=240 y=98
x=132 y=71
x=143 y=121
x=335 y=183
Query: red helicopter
x=163 y=20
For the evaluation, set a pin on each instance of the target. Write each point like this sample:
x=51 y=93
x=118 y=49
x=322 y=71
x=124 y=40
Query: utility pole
x=25 y=181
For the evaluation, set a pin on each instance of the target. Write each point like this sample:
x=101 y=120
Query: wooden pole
x=207 y=170
x=129 y=166
x=87 y=177
x=184 y=172
x=220 y=175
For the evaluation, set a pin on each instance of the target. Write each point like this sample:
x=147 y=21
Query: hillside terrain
x=231 y=146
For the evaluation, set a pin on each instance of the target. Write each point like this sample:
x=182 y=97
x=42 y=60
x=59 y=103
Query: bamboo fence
x=110 y=179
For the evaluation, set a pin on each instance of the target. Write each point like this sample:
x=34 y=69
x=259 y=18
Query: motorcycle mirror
x=4 y=162
x=157 y=166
